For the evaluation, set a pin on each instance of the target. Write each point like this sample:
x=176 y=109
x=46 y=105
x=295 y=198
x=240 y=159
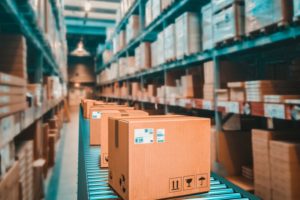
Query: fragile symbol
x=189 y=182
x=175 y=184
x=201 y=179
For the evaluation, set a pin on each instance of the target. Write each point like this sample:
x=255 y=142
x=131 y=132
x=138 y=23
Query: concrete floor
x=62 y=179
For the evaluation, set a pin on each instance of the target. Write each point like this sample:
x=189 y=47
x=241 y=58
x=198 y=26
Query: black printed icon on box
x=202 y=180
x=175 y=184
x=105 y=158
x=189 y=182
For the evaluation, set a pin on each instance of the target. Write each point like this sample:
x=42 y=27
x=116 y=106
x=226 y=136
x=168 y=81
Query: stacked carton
x=228 y=22
x=165 y=4
x=13 y=54
x=9 y=185
x=256 y=90
x=153 y=143
x=143 y=56
x=132 y=28
x=169 y=42
x=7 y=155
x=261 y=14
x=148 y=11
x=156 y=8
x=25 y=154
x=237 y=91
x=208 y=87
x=207 y=27
x=285 y=169
x=191 y=86
x=12 y=92
x=188 y=38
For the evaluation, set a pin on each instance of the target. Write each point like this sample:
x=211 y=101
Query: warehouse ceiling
x=88 y=19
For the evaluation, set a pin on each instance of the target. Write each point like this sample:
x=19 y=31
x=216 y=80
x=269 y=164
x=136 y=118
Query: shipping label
x=160 y=136
x=96 y=115
x=144 y=136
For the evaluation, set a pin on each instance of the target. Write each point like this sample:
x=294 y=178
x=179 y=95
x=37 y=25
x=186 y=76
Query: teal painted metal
x=96 y=179
x=31 y=30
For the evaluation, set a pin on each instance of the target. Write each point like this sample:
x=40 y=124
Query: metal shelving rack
x=25 y=20
x=260 y=47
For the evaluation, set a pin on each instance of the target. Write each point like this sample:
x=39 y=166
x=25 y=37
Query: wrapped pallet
x=148 y=11
x=156 y=8
x=143 y=56
x=166 y=4
x=132 y=28
x=188 y=36
x=207 y=27
x=229 y=23
x=221 y=4
x=169 y=43
x=154 y=60
x=260 y=14
x=160 y=48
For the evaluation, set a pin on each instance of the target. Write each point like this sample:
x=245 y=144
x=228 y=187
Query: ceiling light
x=87 y=6
x=80 y=50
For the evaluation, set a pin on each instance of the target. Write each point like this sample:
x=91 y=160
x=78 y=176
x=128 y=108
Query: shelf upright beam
x=218 y=116
x=143 y=91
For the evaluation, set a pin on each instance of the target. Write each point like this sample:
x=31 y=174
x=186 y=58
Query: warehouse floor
x=62 y=181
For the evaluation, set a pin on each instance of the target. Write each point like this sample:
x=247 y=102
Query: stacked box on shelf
x=222 y=94
x=151 y=90
x=122 y=40
x=25 y=157
x=9 y=184
x=296 y=9
x=237 y=91
x=154 y=53
x=7 y=155
x=156 y=8
x=169 y=38
x=261 y=14
x=132 y=28
x=134 y=89
x=207 y=27
x=115 y=41
x=228 y=23
x=13 y=55
x=45 y=155
x=191 y=86
x=12 y=94
x=255 y=90
x=160 y=49
x=148 y=11
x=261 y=158
x=188 y=37
x=107 y=56
x=143 y=56
x=285 y=169
x=36 y=91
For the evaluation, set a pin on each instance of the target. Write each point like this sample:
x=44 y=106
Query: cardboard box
x=25 y=153
x=148 y=147
x=260 y=14
x=9 y=185
x=11 y=90
x=51 y=153
x=261 y=158
x=45 y=147
x=148 y=11
x=7 y=79
x=98 y=120
x=105 y=134
x=169 y=42
x=188 y=37
x=285 y=169
x=207 y=27
x=229 y=23
x=13 y=108
x=38 y=181
x=191 y=86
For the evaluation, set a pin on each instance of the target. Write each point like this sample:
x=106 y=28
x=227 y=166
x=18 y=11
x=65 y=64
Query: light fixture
x=87 y=6
x=77 y=85
x=80 y=50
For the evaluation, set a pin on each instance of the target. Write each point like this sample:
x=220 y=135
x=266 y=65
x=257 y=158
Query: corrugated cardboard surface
x=177 y=161
x=9 y=186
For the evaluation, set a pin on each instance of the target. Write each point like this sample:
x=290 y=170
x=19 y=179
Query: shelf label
x=233 y=107
x=274 y=111
x=207 y=105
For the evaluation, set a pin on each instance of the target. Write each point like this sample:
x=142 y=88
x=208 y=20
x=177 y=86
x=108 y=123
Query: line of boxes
x=154 y=142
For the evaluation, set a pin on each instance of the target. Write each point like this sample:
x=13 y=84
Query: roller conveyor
x=93 y=181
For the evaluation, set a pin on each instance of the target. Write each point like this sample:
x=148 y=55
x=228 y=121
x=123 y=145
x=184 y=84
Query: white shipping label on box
x=144 y=136
x=96 y=115
x=207 y=105
x=275 y=111
x=160 y=136
x=233 y=107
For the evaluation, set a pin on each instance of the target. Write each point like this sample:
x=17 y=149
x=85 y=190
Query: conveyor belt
x=93 y=181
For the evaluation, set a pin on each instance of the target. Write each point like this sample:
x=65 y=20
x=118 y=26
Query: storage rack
x=18 y=17
x=23 y=19
x=264 y=42
x=93 y=181
x=262 y=48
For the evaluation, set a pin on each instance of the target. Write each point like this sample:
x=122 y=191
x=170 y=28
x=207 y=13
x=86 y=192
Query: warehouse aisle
x=63 y=183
